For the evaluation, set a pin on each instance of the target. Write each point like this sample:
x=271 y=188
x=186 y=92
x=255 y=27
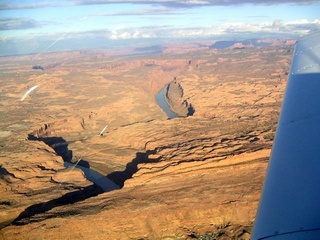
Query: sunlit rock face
x=180 y=178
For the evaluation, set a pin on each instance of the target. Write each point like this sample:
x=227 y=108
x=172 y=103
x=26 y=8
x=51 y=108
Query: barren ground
x=180 y=178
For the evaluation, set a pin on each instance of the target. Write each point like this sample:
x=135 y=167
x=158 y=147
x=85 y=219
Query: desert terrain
x=197 y=176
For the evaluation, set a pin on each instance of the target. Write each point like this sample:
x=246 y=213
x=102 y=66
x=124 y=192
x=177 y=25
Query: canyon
x=199 y=174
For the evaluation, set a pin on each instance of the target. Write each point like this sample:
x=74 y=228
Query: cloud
x=120 y=36
x=275 y=28
x=18 y=23
x=144 y=11
x=188 y=3
x=10 y=6
x=303 y=26
x=126 y=33
x=226 y=30
x=168 y=3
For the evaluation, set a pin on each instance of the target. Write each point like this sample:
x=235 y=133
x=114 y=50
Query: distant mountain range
x=251 y=43
x=142 y=47
x=181 y=47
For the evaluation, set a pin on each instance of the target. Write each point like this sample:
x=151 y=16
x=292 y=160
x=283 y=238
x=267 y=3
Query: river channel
x=160 y=98
x=102 y=181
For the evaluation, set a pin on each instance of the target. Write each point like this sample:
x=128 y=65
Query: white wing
x=290 y=203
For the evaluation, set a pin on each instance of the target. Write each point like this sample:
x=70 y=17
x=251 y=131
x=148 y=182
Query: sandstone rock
x=180 y=178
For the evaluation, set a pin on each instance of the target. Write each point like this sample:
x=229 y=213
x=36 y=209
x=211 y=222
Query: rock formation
x=182 y=178
x=174 y=97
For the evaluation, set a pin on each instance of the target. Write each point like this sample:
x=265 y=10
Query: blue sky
x=29 y=26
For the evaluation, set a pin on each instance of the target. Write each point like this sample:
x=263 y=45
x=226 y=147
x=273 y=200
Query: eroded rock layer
x=181 y=178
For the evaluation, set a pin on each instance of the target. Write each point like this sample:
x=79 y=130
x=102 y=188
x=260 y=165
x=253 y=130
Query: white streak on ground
x=27 y=93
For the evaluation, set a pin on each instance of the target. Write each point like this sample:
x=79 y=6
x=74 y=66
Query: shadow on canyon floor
x=119 y=177
x=191 y=110
x=60 y=146
x=72 y=197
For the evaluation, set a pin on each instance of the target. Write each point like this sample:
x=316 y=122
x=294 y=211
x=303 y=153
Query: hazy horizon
x=30 y=27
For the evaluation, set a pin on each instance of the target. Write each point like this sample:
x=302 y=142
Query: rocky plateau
x=198 y=176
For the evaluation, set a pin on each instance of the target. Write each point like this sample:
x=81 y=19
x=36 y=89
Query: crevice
x=28 y=214
x=43 y=168
x=5 y=203
x=5 y=175
x=35 y=212
x=119 y=177
x=58 y=144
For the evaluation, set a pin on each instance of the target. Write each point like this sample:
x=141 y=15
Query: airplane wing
x=289 y=207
